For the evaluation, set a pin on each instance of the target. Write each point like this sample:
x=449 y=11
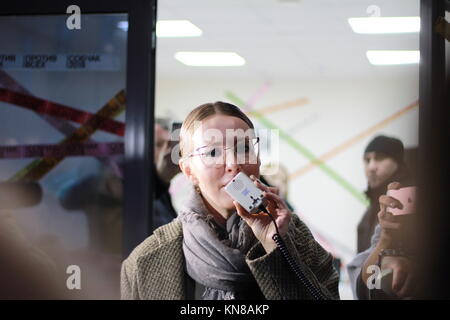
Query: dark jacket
x=163 y=210
x=369 y=220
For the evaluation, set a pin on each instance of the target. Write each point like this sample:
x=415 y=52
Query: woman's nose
x=233 y=168
x=231 y=162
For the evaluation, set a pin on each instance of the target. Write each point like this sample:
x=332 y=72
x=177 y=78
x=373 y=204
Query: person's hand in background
x=403 y=274
x=403 y=278
x=390 y=228
x=388 y=222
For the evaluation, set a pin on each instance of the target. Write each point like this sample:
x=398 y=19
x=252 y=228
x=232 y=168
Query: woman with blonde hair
x=214 y=249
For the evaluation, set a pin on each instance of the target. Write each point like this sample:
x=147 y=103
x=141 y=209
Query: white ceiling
x=284 y=39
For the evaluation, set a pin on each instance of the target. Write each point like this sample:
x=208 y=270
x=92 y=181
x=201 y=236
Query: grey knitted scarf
x=215 y=257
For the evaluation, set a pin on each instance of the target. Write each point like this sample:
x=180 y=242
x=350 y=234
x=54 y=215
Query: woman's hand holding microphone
x=260 y=223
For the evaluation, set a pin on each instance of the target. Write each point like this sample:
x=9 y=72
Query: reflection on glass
x=62 y=107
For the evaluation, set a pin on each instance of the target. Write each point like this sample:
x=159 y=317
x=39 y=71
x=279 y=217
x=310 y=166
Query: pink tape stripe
x=105 y=149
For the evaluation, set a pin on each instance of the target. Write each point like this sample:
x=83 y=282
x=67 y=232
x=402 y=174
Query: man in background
x=383 y=164
x=378 y=231
x=164 y=171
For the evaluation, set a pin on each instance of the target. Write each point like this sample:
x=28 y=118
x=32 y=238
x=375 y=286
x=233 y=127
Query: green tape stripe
x=304 y=151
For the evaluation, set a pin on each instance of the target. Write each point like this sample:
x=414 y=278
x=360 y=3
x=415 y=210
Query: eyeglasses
x=245 y=151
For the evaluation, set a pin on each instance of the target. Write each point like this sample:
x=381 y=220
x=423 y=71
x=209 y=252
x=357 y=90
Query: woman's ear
x=185 y=167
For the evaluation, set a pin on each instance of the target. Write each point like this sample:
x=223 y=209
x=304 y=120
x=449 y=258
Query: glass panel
x=62 y=108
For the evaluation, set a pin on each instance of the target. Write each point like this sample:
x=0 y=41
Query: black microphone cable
x=310 y=287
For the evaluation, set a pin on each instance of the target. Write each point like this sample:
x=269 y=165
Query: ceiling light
x=210 y=59
x=375 y=25
x=392 y=57
x=170 y=28
x=176 y=28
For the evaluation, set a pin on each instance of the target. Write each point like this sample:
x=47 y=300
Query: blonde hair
x=202 y=112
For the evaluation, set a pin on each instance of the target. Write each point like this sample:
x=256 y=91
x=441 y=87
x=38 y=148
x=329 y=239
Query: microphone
x=14 y=195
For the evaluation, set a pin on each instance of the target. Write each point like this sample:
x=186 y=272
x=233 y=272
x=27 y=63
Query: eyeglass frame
x=192 y=154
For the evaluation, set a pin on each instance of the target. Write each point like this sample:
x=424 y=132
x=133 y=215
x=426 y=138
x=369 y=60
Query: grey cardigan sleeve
x=355 y=266
x=274 y=276
x=128 y=289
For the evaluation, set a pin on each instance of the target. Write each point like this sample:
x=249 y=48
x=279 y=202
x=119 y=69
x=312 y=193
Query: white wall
x=337 y=111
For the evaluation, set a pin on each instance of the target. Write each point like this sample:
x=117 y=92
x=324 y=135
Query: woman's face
x=211 y=179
